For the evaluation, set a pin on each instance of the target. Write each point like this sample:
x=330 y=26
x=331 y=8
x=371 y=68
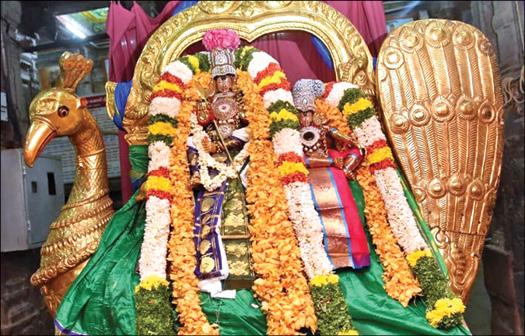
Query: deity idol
x=217 y=153
x=331 y=157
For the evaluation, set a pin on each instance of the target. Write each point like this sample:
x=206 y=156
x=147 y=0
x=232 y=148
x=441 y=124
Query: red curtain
x=130 y=29
x=128 y=32
x=368 y=17
x=296 y=53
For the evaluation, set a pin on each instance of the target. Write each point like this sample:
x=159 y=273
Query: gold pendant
x=205 y=246
x=207 y=264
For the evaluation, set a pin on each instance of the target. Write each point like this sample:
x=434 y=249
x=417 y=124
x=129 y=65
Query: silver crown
x=222 y=61
x=305 y=92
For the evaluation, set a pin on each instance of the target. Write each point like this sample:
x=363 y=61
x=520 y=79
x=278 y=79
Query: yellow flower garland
x=379 y=155
x=360 y=105
x=273 y=79
x=162 y=128
x=324 y=279
x=151 y=282
x=164 y=85
x=413 y=257
x=399 y=282
x=444 y=308
x=283 y=114
x=158 y=183
x=194 y=61
x=288 y=168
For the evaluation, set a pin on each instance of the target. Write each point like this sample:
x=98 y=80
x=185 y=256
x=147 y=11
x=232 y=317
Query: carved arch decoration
x=251 y=19
x=440 y=91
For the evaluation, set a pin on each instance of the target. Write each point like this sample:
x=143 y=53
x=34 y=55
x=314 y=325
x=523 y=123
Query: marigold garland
x=297 y=177
x=413 y=257
x=399 y=282
x=281 y=285
x=283 y=114
x=165 y=85
x=289 y=168
x=181 y=247
x=360 y=105
x=446 y=313
x=267 y=73
x=151 y=282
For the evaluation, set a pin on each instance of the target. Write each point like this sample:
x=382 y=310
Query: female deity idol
x=331 y=157
x=217 y=153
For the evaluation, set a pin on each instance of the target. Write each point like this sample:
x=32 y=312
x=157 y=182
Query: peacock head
x=57 y=111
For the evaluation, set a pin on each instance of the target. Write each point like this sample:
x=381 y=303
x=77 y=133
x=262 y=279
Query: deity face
x=224 y=83
x=306 y=118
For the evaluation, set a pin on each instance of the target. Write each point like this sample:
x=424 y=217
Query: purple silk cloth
x=211 y=219
x=213 y=237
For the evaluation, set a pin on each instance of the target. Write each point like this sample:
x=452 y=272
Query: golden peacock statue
x=75 y=234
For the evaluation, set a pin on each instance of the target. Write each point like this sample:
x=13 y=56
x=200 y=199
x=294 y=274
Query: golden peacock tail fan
x=440 y=92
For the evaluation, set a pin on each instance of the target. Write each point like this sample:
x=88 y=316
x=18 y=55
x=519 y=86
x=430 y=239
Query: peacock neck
x=79 y=226
x=91 y=183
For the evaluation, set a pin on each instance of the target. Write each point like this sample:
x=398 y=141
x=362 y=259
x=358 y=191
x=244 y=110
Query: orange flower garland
x=281 y=285
x=399 y=282
x=181 y=246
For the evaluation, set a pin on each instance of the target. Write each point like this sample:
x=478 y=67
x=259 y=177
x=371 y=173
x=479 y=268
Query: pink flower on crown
x=221 y=39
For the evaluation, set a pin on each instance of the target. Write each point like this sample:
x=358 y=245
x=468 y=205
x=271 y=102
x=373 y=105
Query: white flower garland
x=288 y=140
x=158 y=219
x=153 y=249
x=400 y=216
x=305 y=219
x=308 y=227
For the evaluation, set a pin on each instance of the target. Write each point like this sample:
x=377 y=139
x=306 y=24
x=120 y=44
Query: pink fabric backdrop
x=128 y=32
x=130 y=29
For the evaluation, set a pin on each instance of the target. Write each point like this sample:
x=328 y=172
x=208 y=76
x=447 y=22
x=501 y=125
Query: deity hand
x=343 y=140
x=210 y=147
x=339 y=163
x=351 y=162
x=195 y=180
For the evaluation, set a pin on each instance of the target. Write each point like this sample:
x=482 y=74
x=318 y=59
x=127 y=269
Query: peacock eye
x=63 y=111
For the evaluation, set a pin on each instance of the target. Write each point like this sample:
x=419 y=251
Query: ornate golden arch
x=251 y=19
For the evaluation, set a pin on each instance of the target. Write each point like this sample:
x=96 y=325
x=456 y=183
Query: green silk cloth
x=101 y=301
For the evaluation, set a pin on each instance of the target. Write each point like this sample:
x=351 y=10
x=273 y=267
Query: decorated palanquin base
x=145 y=275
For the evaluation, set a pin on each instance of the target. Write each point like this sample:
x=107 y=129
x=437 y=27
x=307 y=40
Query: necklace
x=206 y=161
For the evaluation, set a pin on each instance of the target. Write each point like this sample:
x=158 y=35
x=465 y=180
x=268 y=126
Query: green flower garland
x=444 y=308
x=330 y=306
x=155 y=315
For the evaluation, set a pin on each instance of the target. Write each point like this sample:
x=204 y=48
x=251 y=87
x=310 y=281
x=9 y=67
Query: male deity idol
x=217 y=153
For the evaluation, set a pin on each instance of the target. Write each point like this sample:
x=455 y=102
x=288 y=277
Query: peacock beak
x=40 y=133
